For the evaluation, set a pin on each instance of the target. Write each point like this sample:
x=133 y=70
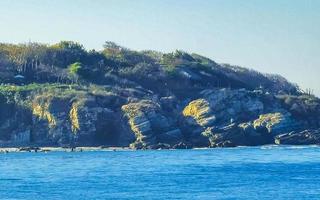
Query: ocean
x=267 y=172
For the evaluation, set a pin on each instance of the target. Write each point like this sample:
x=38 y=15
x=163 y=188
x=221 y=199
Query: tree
x=112 y=50
x=65 y=53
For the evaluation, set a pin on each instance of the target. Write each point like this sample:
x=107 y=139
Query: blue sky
x=273 y=36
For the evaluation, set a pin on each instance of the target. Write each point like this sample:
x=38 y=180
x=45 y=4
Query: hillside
x=65 y=95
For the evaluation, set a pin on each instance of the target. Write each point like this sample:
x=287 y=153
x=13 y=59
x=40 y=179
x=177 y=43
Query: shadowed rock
x=299 y=138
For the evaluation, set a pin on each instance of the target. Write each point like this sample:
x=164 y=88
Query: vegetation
x=305 y=107
x=55 y=90
x=75 y=68
x=29 y=87
x=69 y=62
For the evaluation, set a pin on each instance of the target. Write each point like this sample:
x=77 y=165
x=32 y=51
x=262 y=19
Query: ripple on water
x=286 y=172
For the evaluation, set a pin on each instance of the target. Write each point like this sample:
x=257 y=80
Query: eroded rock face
x=305 y=137
x=228 y=136
x=214 y=119
x=200 y=111
x=197 y=117
x=50 y=123
x=15 y=123
x=21 y=138
x=233 y=105
x=149 y=125
x=236 y=135
x=91 y=123
x=276 y=123
x=140 y=119
x=257 y=132
x=236 y=118
x=48 y=120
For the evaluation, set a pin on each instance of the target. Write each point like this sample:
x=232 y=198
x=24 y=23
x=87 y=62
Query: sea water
x=267 y=172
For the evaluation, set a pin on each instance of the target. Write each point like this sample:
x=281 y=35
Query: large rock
x=149 y=125
x=276 y=123
x=306 y=137
x=139 y=122
x=220 y=111
x=236 y=135
x=233 y=105
x=228 y=136
x=220 y=108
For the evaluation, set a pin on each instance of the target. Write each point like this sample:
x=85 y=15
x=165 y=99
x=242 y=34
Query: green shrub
x=75 y=68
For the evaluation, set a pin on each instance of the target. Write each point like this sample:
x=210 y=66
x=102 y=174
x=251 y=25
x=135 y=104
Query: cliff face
x=68 y=116
x=63 y=95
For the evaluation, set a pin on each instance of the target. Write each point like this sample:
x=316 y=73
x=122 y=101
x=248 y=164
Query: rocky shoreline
x=59 y=149
x=92 y=149
x=217 y=118
x=66 y=96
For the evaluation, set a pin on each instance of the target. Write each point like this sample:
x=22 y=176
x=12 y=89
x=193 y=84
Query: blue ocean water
x=267 y=172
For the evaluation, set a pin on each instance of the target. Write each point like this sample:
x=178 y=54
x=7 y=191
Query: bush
x=75 y=68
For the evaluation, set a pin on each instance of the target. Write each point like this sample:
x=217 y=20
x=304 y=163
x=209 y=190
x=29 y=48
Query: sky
x=273 y=36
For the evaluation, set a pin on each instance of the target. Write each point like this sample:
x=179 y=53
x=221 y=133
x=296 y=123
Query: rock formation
x=146 y=100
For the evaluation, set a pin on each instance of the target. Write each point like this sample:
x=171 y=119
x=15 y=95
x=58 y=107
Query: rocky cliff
x=150 y=100
x=78 y=116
